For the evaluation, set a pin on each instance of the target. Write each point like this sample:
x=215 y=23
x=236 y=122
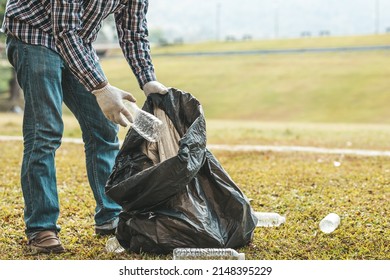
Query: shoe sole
x=41 y=250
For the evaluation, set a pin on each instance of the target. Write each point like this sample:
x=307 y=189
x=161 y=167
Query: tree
x=2 y=10
x=14 y=89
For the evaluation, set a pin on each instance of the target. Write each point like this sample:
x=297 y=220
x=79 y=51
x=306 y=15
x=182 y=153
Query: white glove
x=154 y=87
x=110 y=102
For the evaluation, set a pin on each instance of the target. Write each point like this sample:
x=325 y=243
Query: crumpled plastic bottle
x=146 y=124
x=113 y=246
x=268 y=219
x=207 y=254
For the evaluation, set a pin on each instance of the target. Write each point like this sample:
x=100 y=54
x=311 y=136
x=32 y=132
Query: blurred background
x=194 y=21
x=259 y=60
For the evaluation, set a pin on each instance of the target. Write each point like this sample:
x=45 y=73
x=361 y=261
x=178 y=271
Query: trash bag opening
x=175 y=193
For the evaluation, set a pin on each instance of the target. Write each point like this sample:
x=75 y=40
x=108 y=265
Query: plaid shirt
x=70 y=26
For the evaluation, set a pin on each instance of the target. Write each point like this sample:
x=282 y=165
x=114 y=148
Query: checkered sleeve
x=132 y=33
x=66 y=24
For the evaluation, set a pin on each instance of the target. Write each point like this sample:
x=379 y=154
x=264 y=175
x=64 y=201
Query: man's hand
x=154 y=87
x=110 y=99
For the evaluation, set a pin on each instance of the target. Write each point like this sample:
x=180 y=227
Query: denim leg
x=39 y=74
x=101 y=144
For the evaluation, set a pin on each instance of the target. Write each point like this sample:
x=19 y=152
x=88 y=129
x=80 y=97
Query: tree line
x=15 y=93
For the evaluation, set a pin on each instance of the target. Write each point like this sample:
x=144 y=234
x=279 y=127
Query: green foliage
x=2 y=7
x=3 y=70
x=2 y=10
x=4 y=81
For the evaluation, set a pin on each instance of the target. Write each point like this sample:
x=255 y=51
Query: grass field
x=304 y=187
x=336 y=135
x=328 y=87
x=297 y=43
x=323 y=87
x=333 y=100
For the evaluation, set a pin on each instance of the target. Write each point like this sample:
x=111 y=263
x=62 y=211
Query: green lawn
x=334 y=100
x=272 y=44
x=337 y=87
x=303 y=187
x=329 y=87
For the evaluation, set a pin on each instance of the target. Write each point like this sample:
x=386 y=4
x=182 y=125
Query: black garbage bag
x=188 y=200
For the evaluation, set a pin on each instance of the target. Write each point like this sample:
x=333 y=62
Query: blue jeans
x=47 y=82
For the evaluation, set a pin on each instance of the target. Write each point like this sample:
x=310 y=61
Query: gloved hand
x=110 y=102
x=154 y=87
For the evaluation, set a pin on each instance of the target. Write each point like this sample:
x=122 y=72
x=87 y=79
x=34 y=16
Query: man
x=49 y=45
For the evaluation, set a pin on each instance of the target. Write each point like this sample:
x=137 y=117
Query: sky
x=200 y=20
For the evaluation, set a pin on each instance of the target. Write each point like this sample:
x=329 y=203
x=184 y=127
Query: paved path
x=257 y=51
x=255 y=148
x=280 y=51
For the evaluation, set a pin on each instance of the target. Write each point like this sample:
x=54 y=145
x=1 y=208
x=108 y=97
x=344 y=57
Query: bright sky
x=209 y=19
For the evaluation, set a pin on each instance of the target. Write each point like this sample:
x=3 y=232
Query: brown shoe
x=46 y=241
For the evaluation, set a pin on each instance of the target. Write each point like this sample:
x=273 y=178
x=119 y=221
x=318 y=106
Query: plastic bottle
x=207 y=254
x=268 y=219
x=329 y=223
x=146 y=124
x=113 y=246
